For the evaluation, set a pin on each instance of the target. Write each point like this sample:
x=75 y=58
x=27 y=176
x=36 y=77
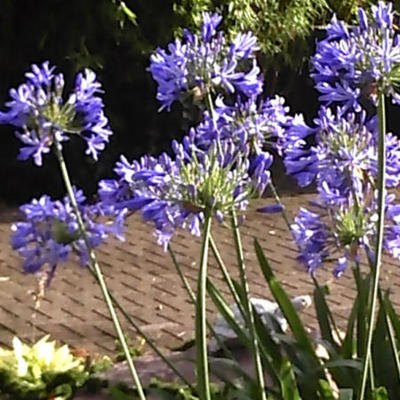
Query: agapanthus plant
x=261 y=124
x=53 y=229
x=344 y=232
x=339 y=153
x=42 y=114
x=50 y=232
x=351 y=63
x=201 y=64
x=177 y=192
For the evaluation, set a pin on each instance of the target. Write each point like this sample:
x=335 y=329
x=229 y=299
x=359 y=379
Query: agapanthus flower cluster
x=260 y=124
x=355 y=62
x=223 y=161
x=178 y=192
x=42 y=115
x=339 y=154
x=341 y=233
x=206 y=63
x=50 y=231
x=342 y=158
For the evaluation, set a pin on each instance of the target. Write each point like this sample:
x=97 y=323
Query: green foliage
x=337 y=355
x=135 y=349
x=165 y=391
x=284 y=28
x=177 y=391
x=302 y=366
x=43 y=370
x=281 y=26
x=124 y=13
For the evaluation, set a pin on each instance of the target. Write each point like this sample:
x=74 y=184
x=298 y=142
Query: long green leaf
x=363 y=289
x=387 y=308
x=302 y=354
x=324 y=315
x=285 y=303
x=394 y=319
x=288 y=382
x=325 y=390
x=348 y=345
x=226 y=312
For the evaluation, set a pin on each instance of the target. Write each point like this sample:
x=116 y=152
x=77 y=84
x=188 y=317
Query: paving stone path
x=144 y=279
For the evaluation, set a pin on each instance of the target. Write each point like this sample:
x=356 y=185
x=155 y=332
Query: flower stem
x=144 y=335
x=193 y=299
x=227 y=278
x=376 y=267
x=278 y=200
x=200 y=332
x=248 y=309
x=210 y=108
x=97 y=269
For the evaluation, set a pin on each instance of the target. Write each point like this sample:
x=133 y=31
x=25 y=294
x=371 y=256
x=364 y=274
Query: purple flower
x=210 y=172
x=391 y=242
x=259 y=171
x=34 y=146
x=343 y=158
x=50 y=231
x=311 y=235
x=333 y=233
x=41 y=76
x=198 y=65
x=209 y=28
x=39 y=111
x=89 y=112
x=352 y=63
x=340 y=232
x=260 y=125
x=271 y=209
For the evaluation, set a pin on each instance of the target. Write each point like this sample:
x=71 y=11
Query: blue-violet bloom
x=42 y=115
x=206 y=63
x=352 y=63
x=50 y=231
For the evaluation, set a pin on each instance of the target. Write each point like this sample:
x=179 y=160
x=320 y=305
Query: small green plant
x=43 y=371
x=166 y=391
x=135 y=349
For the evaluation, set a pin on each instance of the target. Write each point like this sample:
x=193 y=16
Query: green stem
x=278 y=200
x=226 y=276
x=97 y=269
x=182 y=275
x=248 y=309
x=193 y=299
x=379 y=238
x=200 y=332
x=145 y=336
x=210 y=107
x=391 y=335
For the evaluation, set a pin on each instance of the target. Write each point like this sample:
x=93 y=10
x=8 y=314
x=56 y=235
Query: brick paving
x=144 y=279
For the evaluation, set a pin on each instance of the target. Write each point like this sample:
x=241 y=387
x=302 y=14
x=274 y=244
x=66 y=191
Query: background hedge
x=74 y=34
